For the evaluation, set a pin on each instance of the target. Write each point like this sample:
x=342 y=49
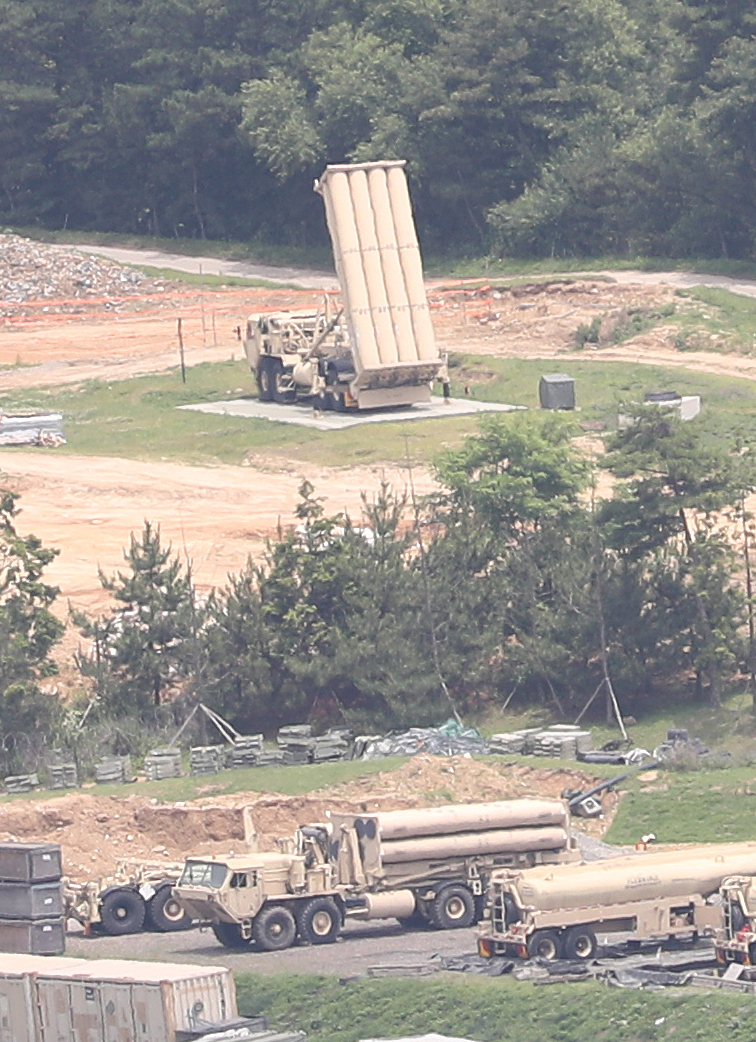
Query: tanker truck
x=423 y=867
x=556 y=912
x=378 y=348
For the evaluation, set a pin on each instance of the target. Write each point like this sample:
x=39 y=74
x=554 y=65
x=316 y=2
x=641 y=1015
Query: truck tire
x=274 y=929
x=164 y=913
x=229 y=935
x=264 y=377
x=512 y=913
x=282 y=394
x=452 y=908
x=580 y=943
x=122 y=911
x=319 y=921
x=545 y=944
x=416 y=921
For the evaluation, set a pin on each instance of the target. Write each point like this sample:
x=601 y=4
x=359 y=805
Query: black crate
x=31 y=900
x=30 y=862
x=41 y=937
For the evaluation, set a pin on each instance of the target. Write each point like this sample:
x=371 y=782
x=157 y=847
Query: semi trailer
x=557 y=912
x=376 y=348
x=423 y=867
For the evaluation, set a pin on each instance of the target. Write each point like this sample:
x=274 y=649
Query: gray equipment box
x=30 y=862
x=557 y=391
x=41 y=937
x=31 y=900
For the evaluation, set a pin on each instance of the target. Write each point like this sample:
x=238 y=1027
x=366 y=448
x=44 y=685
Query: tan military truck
x=557 y=912
x=423 y=867
x=378 y=349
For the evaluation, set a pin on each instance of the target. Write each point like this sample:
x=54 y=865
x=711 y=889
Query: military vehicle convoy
x=378 y=349
x=556 y=912
x=423 y=867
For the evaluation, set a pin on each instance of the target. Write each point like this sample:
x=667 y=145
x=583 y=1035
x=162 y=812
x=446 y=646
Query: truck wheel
x=164 y=913
x=122 y=911
x=319 y=921
x=274 y=929
x=580 y=943
x=338 y=401
x=264 y=380
x=512 y=913
x=229 y=935
x=452 y=908
x=282 y=393
x=416 y=921
x=545 y=944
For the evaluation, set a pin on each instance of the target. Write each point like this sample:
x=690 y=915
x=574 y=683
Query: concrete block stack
x=335 y=744
x=31 y=899
x=295 y=742
x=114 y=770
x=559 y=741
x=63 y=775
x=206 y=759
x=246 y=750
x=16 y=783
x=163 y=763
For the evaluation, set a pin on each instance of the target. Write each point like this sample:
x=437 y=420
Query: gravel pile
x=35 y=273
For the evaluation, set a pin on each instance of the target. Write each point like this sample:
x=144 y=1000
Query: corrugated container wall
x=109 y=1000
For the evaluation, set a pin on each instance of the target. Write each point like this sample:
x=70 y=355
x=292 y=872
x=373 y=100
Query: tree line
x=530 y=576
x=531 y=127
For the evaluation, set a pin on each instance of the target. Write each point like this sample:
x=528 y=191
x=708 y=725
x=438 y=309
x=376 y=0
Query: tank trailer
x=378 y=349
x=423 y=867
x=557 y=912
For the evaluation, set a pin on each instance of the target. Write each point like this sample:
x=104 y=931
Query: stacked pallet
x=246 y=750
x=114 y=770
x=295 y=742
x=31 y=899
x=63 y=775
x=206 y=759
x=163 y=763
x=270 y=758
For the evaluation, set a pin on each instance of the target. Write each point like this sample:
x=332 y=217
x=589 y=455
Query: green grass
x=208 y=280
x=290 y=781
x=138 y=418
x=492 y=1010
x=715 y=320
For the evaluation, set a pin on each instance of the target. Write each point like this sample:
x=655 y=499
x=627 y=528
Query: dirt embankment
x=96 y=831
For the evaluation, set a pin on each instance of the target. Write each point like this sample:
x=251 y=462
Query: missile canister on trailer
x=470 y=844
x=469 y=817
x=639 y=877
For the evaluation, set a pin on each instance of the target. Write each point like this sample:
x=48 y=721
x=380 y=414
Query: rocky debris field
x=96 y=831
x=40 y=277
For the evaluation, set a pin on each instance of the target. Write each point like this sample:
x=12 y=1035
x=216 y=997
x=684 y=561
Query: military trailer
x=557 y=912
x=139 y=895
x=377 y=349
x=423 y=867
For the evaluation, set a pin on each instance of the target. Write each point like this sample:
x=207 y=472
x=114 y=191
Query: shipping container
x=78 y=1000
x=30 y=862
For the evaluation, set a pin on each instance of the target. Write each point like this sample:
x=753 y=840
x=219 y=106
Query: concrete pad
x=305 y=416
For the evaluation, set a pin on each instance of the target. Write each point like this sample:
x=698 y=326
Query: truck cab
x=267 y=898
x=736 y=940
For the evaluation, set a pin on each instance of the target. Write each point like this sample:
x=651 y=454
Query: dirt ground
x=96 y=831
x=218 y=516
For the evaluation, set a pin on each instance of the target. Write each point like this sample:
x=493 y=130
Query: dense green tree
x=28 y=634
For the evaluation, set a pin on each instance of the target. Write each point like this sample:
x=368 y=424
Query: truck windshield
x=203 y=873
